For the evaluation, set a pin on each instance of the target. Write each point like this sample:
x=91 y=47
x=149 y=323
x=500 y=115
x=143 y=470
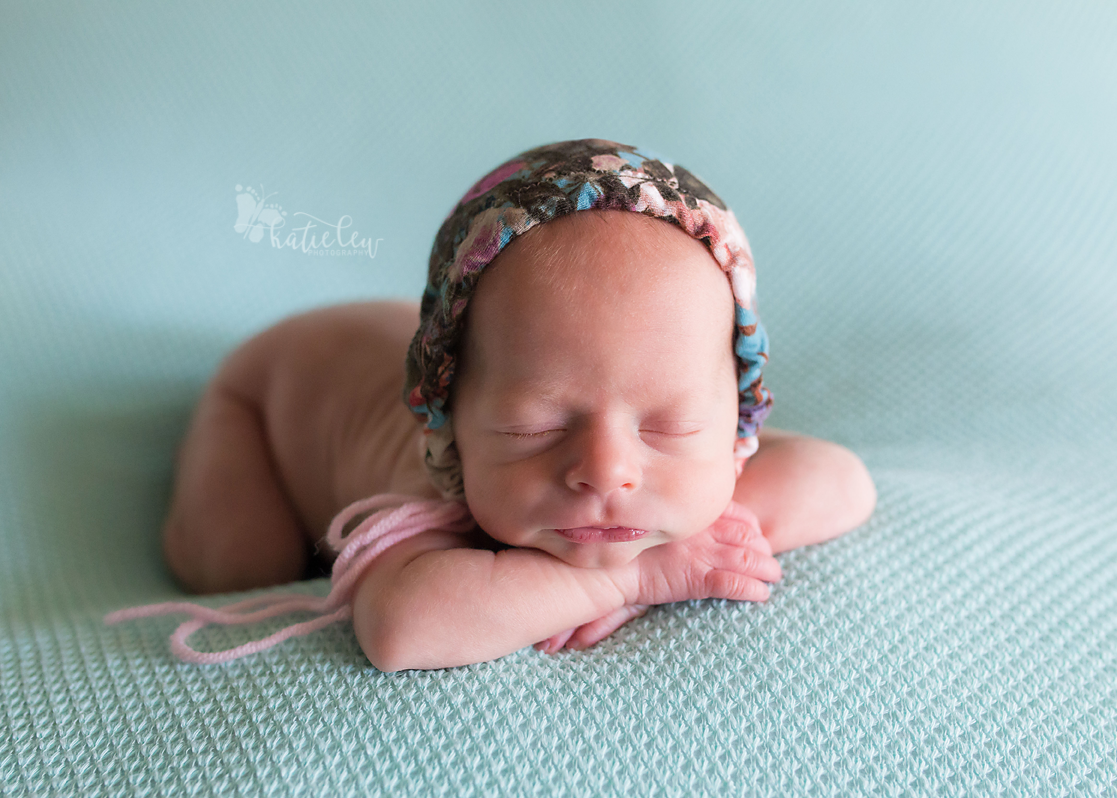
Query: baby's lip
x=597 y=534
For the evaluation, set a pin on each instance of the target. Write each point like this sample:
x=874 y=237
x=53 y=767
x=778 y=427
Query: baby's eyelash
x=530 y=435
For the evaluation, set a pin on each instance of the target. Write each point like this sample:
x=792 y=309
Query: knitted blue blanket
x=930 y=195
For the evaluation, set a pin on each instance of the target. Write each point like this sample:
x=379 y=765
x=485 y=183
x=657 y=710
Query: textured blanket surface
x=930 y=191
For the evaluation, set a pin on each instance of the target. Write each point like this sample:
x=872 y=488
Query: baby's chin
x=582 y=554
x=600 y=554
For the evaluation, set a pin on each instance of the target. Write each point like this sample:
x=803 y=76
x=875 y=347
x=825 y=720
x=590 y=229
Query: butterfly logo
x=253 y=217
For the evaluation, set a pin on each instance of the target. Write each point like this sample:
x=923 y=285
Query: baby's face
x=596 y=389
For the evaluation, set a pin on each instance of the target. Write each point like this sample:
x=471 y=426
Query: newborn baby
x=583 y=373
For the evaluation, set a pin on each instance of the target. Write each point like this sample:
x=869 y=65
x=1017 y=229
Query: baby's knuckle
x=732 y=534
x=748 y=528
x=720 y=530
x=719 y=584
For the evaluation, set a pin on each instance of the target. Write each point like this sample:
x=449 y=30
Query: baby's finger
x=761 y=543
x=556 y=642
x=734 y=586
x=760 y=566
x=735 y=532
x=598 y=630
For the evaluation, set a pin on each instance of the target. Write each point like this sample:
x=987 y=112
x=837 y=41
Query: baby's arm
x=432 y=602
x=804 y=490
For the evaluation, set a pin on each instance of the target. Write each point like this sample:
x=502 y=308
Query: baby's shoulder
x=350 y=342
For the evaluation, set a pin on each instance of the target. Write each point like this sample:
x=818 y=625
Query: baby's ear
x=743 y=449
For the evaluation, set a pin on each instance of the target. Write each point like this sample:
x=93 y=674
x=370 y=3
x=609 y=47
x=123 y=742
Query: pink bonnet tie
x=380 y=530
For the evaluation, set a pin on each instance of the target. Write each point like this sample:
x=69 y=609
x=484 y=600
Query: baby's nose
x=606 y=459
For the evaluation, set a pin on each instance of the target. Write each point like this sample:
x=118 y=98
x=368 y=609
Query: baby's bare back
x=328 y=387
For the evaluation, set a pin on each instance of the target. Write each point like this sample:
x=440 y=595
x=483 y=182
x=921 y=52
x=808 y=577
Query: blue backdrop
x=930 y=195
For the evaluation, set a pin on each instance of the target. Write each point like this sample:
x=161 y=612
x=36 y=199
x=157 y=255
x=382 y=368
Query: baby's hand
x=587 y=634
x=731 y=559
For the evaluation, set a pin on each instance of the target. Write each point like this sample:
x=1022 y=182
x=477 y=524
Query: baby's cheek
x=707 y=491
x=496 y=499
x=478 y=496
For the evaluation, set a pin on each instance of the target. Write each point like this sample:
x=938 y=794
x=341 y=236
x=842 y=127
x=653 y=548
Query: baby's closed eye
x=680 y=430
x=659 y=433
x=526 y=435
x=659 y=429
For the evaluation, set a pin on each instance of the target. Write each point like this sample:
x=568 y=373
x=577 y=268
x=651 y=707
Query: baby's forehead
x=603 y=249
x=610 y=281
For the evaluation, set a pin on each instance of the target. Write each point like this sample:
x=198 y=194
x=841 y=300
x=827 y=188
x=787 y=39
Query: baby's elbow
x=381 y=632
x=383 y=642
x=384 y=652
x=858 y=489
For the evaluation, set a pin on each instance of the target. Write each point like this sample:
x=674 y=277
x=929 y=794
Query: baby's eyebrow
x=684 y=404
x=531 y=402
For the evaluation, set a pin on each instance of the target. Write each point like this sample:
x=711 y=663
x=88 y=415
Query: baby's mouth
x=596 y=534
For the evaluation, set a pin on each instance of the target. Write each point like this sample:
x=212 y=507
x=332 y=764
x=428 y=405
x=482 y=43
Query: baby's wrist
x=627 y=579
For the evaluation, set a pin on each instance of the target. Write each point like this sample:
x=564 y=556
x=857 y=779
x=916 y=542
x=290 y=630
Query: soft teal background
x=929 y=190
